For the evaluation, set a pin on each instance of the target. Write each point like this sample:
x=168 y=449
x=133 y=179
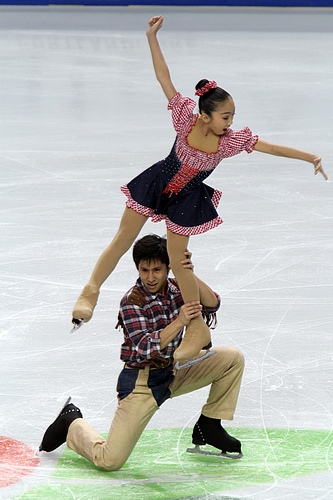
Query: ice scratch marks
x=265 y=354
x=244 y=244
x=268 y=274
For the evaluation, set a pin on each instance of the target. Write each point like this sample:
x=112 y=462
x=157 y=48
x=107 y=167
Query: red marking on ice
x=16 y=461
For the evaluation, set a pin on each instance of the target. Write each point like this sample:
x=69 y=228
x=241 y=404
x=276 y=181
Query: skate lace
x=69 y=411
x=200 y=432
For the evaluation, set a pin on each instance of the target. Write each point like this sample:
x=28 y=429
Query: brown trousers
x=223 y=371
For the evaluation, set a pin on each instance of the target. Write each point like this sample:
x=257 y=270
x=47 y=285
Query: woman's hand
x=319 y=168
x=155 y=24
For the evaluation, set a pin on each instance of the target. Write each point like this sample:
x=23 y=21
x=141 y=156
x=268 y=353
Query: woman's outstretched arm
x=287 y=152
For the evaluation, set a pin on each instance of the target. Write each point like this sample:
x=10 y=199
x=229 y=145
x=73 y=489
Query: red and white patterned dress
x=173 y=189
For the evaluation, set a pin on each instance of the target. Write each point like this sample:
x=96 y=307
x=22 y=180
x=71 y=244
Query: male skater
x=153 y=316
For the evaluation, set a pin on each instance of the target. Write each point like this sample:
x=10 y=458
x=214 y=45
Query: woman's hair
x=150 y=247
x=209 y=102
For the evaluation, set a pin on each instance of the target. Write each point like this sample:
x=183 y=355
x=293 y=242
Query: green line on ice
x=160 y=469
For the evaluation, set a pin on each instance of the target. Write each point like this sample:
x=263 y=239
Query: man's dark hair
x=150 y=247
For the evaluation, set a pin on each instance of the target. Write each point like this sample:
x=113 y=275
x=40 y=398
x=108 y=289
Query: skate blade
x=191 y=362
x=68 y=400
x=197 y=450
x=77 y=324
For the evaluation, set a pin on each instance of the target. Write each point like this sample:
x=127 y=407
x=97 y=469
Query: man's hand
x=189 y=311
x=187 y=262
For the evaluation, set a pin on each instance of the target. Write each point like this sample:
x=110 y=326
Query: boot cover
x=86 y=303
x=195 y=339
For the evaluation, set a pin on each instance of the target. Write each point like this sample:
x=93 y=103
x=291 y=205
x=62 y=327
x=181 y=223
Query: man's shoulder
x=134 y=295
x=139 y=297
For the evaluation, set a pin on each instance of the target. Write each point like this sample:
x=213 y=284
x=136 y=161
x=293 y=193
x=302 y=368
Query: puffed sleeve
x=182 y=112
x=237 y=141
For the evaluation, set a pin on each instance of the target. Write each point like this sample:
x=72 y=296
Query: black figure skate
x=210 y=431
x=55 y=435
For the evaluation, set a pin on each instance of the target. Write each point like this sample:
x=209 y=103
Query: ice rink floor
x=82 y=113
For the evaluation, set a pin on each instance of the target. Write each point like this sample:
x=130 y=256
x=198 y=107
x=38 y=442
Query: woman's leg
x=197 y=333
x=130 y=226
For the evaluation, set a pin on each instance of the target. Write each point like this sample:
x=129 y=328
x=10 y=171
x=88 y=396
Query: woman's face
x=221 y=119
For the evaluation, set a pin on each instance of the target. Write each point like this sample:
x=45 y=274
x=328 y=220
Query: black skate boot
x=210 y=431
x=55 y=435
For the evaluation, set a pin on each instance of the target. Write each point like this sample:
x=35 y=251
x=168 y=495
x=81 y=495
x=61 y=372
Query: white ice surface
x=82 y=113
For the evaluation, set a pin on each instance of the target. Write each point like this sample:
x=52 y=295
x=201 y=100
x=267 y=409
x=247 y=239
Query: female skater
x=173 y=189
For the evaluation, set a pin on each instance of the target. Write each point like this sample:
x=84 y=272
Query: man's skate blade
x=77 y=324
x=197 y=450
x=68 y=400
x=191 y=362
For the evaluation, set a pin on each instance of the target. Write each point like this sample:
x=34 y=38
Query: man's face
x=153 y=275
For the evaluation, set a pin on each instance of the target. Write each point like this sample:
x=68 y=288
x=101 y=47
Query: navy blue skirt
x=188 y=209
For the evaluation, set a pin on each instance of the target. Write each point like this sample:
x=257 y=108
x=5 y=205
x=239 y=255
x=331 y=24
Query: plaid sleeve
x=182 y=112
x=209 y=313
x=145 y=341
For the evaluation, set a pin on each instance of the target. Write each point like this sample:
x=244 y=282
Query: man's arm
x=187 y=312
x=148 y=343
x=208 y=297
